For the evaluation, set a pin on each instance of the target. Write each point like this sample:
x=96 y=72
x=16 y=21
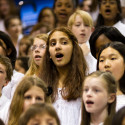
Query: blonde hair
x=16 y=107
x=87 y=19
x=33 y=67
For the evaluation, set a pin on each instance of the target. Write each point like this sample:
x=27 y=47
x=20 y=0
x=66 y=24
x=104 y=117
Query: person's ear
x=92 y=29
x=111 y=97
x=9 y=51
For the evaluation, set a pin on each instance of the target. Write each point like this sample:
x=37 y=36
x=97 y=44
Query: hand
x=85 y=49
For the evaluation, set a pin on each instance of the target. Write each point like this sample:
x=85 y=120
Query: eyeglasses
x=33 y=47
x=112 y=2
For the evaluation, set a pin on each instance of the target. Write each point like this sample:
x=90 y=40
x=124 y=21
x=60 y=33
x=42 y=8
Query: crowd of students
x=70 y=69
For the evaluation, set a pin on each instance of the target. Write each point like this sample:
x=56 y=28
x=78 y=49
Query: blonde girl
x=38 y=51
x=29 y=91
x=99 y=99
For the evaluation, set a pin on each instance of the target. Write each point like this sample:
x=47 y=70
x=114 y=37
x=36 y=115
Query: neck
x=0 y=93
x=109 y=22
x=61 y=24
x=119 y=92
x=14 y=40
x=99 y=117
x=63 y=71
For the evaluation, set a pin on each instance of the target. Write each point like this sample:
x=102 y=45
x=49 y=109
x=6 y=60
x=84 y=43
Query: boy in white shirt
x=6 y=72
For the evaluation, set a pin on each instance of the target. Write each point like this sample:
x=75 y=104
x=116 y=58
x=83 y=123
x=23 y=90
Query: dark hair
x=111 y=88
x=8 y=19
x=100 y=19
x=38 y=26
x=111 y=33
x=119 y=117
x=24 y=62
x=1 y=122
x=6 y=39
x=120 y=47
x=13 y=10
x=75 y=3
x=77 y=69
x=41 y=13
x=38 y=109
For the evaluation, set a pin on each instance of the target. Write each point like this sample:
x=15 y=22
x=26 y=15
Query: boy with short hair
x=81 y=24
x=6 y=72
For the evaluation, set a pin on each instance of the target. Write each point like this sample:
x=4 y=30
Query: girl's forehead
x=2 y=65
x=58 y=34
x=95 y=81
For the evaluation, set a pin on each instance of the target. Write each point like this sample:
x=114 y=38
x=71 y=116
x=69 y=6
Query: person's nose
x=89 y=93
x=107 y=64
x=33 y=100
x=58 y=46
x=82 y=27
x=63 y=8
x=37 y=49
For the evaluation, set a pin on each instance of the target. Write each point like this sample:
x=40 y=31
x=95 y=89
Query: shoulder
x=120 y=26
x=120 y=102
x=17 y=74
x=4 y=113
x=3 y=101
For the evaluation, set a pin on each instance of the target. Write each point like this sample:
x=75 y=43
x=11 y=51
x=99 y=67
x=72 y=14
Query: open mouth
x=89 y=102
x=37 y=56
x=108 y=11
x=59 y=55
x=108 y=71
x=82 y=34
x=63 y=14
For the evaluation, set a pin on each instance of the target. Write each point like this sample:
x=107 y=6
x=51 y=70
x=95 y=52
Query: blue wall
x=29 y=11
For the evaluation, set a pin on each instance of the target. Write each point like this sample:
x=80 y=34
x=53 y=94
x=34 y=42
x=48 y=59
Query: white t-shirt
x=121 y=27
x=3 y=101
x=4 y=113
x=68 y=111
x=9 y=90
x=90 y=60
x=120 y=102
